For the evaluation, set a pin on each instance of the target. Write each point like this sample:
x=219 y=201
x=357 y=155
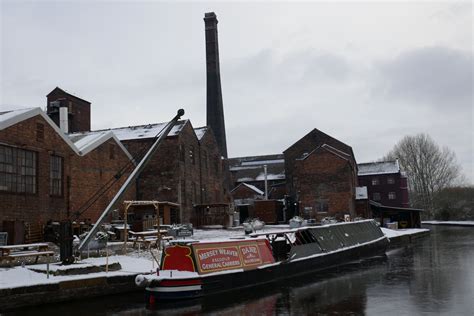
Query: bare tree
x=429 y=168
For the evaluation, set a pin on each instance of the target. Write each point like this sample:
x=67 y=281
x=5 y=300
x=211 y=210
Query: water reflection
x=434 y=275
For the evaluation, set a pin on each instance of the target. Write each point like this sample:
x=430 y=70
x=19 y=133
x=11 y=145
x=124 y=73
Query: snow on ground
x=22 y=276
x=390 y=233
x=463 y=223
x=135 y=261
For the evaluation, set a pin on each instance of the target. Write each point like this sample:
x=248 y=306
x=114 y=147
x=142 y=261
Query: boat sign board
x=222 y=256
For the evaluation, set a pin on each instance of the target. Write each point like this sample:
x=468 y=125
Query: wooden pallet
x=33 y=232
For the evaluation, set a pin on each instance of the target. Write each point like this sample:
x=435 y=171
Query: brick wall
x=38 y=207
x=99 y=168
x=79 y=110
x=308 y=143
x=383 y=187
x=323 y=177
x=82 y=176
x=184 y=170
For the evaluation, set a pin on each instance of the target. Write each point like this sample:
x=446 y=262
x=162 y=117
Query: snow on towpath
x=134 y=262
x=452 y=223
x=391 y=233
x=22 y=276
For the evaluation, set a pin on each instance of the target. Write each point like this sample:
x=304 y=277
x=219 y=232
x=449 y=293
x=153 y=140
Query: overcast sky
x=367 y=73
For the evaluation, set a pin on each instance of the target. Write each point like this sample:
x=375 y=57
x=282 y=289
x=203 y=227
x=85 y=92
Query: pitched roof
x=330 y=149
x=138 y=131
x=200 y=131
x=318 y=138
x=10 y=118
x=251 y=187
x=65 y=92
x=87 y=143
x=382 y=167
x=250 y=168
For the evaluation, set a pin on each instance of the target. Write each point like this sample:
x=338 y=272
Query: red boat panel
x=222 y=256
x=180 y=282
x=178 y=257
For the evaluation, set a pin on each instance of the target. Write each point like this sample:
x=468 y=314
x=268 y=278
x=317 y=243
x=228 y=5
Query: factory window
x=204 y=154
x=183 y=192
x=376 y=196
x=181 y=153
x=17 y=170
x=322 y=206
x=216 y=164
x=392 y=196
x=390 y=180
x=194 y=191
x=191 y=155
x=56 y=175
x=375 y=181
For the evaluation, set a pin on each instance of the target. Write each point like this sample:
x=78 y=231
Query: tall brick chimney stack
x=215 y=109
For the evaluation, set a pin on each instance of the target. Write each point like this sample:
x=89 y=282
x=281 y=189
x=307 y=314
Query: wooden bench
x=147 y=238
x=12 y=252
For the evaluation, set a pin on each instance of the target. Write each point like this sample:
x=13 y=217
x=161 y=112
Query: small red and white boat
x=191 y=269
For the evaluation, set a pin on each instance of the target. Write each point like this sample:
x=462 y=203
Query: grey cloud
x=304 y=67
x=436 y=76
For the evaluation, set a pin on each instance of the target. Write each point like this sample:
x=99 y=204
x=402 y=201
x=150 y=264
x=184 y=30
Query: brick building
x=45 y=176
x=187 y=170
x=321 y=176
x=385 y=182
x=78 y=110
x=250 y=170
x=387 y=191
x=244 y=196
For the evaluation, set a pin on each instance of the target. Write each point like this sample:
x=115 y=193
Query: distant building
x=321 y=176
x=386 y=183
x=388 y=194
x=244 y=196
x=251 y=170
x=248 y=178
x=78 y=110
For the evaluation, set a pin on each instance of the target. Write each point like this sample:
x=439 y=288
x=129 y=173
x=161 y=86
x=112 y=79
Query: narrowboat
x=191 y=269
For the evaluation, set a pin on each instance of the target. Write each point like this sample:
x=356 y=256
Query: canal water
x=432 y=276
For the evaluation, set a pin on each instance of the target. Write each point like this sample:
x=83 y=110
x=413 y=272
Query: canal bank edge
x=13 y=298
x=77 y=289
x=397 y=241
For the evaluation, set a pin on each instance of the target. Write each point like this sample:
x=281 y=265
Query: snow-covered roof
x=253 y=188
x=10 y=118
x=249 y=169
x=374 y=168
x=328 y=148
x=88 y=142
x=200 y=131
x=361 y=193
x=262 y=162
x=141 y=131
x=68 y=93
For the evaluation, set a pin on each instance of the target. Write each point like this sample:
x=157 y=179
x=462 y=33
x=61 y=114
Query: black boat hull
x=223 y=282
